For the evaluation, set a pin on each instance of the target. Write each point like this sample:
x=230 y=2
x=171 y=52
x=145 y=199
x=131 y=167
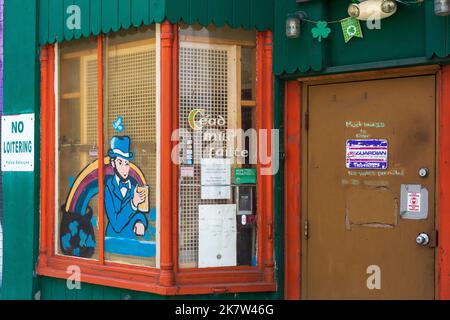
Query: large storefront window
x=217 y=186
x=77 y=145
x=150 y=173
x=130 y=115
x=130 y=148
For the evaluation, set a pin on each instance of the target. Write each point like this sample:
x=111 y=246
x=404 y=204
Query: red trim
x=175 y=124
x=292 y=182
x=167 y=277
x=45 y=112
x=101 y=154
x=51 y=147
x=268 y=186
x=443 y=184
x=259 y=126
x=47 y=150
x=167 y=280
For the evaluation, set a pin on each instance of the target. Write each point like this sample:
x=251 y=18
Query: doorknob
x=423 y=239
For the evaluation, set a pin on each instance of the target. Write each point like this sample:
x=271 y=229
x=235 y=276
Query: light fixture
x=293 y=24
x=353 y=10
x=372 y=9
x=389 y=6
x=442 y=7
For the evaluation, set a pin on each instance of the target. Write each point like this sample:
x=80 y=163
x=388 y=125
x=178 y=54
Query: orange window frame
x=169 y=279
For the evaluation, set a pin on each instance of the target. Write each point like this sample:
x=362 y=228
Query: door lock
x=424 y=172
x=423 y=239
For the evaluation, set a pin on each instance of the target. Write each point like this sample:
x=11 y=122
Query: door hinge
x=306 y=230
x=306 y=121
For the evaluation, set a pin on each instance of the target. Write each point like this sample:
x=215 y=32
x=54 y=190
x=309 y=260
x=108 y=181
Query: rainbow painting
x=85 y=188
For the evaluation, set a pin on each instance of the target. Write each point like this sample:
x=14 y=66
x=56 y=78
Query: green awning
x=103 y=16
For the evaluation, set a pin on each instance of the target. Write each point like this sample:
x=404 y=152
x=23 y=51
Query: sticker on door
x=413 y=201
x=367 y=154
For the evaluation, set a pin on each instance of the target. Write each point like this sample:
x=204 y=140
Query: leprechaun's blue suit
x=121 y=215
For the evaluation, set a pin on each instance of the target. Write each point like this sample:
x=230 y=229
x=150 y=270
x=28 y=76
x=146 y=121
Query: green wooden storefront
x=32 y=24
x=413 y=36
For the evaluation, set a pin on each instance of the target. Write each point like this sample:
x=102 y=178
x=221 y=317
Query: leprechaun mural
x=130 y=222
x=123 y=195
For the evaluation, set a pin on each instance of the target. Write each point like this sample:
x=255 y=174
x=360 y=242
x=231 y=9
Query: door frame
x=295 y=142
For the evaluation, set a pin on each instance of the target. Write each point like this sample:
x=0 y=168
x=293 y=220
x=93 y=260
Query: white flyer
x=216 y=178
x=217 y=236
x=414 y=201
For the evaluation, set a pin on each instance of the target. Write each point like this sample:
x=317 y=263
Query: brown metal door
x=355 y=233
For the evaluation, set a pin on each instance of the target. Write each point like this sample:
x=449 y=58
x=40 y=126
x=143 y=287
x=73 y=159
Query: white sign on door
x=414 y=201
x=18 y=142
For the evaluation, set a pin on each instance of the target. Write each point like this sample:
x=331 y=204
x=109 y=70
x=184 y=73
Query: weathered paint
x=292 y=140
x=414 y=35
x=103 y=16
x=442 y=259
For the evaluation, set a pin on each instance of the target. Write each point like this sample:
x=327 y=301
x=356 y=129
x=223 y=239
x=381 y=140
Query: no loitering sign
x=18 y=143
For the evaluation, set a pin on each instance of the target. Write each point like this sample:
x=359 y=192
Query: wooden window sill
x=146 y=279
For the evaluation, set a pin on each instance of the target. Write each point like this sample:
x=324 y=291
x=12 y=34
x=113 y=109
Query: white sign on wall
x=18 y=142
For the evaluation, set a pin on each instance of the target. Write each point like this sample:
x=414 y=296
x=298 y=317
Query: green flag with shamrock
x=351 y=28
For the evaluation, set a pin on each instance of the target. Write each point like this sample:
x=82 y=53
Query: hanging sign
x=18 y=143
x=351 y=28
x=367 y=154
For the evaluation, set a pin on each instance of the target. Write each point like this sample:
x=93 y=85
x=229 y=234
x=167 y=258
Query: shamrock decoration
x=321 y=30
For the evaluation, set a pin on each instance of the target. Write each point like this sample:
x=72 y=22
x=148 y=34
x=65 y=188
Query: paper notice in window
x=217 y=236
x=216 y=179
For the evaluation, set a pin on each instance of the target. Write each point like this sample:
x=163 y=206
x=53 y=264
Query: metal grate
x=132 y=95
x=206 y=76
x=132 y=92
x=91 y=98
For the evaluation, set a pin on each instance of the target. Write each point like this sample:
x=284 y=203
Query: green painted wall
x=111 y=15
x=20 y=190
x=413 y=35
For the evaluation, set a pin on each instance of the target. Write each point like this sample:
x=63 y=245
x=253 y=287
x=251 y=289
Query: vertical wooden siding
x=21 y=189
x=1 y=112
x=247 y=14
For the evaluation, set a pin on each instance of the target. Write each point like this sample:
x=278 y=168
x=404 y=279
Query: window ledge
x=208 y=281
